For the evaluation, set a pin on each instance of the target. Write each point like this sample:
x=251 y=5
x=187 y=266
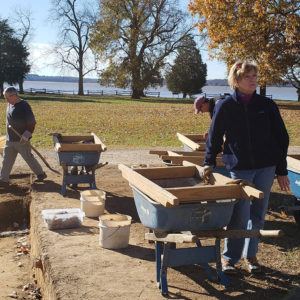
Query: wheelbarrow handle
x=238 y=234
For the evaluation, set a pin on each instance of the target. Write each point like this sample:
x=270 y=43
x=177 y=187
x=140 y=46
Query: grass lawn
x=122 y=122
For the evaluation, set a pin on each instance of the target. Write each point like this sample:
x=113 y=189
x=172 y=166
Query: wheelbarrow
x=173 y=204
x=76 y=152
x=294 y=177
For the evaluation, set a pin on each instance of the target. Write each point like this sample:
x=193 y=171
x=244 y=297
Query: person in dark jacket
x=255 y=149
x=20 y=116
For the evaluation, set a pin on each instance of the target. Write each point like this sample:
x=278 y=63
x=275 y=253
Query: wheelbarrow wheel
x=297 y=212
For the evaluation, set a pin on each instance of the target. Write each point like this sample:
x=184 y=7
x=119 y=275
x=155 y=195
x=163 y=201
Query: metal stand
x=167 y=255
x=73 y=178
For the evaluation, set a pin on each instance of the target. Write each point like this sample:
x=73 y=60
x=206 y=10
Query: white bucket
x=93 y=202
x=114 y=230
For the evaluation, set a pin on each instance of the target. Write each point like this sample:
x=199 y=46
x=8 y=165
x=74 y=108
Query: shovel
x=37 y=152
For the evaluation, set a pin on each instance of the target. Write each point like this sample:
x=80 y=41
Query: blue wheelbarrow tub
x=78 y=158
x=294 y=178
x=184 y=217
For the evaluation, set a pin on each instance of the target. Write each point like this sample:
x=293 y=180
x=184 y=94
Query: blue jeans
x=249 y=215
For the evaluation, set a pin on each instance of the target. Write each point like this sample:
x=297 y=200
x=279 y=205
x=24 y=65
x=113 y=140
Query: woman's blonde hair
x=238 y=70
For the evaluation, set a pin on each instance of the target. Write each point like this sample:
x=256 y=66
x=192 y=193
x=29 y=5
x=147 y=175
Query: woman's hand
x=283 y=182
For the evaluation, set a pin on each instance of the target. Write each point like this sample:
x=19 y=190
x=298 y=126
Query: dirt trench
x=16 y=277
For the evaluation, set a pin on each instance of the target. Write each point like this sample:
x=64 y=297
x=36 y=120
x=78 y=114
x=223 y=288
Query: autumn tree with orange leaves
x=266 y=31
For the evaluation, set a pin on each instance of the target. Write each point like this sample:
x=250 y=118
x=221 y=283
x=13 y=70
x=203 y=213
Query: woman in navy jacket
x=255 y=149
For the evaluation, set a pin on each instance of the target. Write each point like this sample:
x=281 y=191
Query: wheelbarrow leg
x=158 y=253
x=164 y=269
x=220 y=273
x=206 y=266
x=64 y=185
x=93 y=182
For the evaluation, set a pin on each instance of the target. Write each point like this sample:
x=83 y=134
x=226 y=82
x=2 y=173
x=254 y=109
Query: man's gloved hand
x=25 y=137
x=205 y=173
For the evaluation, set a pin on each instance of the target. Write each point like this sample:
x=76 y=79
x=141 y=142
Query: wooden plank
x=98 y=141
x=205 y=193
x=149 y=188
x=193 y=145
x=196 y=137
x=296 y=156
x=57 y=144
x=173 y=153
x=167 y=172
x=249 y=192
x=172 y=238
x=158 y=152
x=293 y=164
x=76 y=138
x=218 y=179
x=79 y=148
x=70 y=143
x=198 y=160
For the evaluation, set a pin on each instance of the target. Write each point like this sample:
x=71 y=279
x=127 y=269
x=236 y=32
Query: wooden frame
x=72 y=143
x=177 y=157
x=293 y=164
x=219 y=187
x=195 y=141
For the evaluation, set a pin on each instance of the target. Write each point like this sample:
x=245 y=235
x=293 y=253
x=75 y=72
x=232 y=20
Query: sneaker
x=253 y=265
x=41 y=177
x=228 y=267
x=4 y=183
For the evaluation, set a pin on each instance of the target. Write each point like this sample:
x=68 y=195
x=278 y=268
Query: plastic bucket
x=114 y=231
x=93 y=202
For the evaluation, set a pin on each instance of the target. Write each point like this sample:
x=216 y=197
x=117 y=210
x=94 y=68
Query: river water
x=280 y=93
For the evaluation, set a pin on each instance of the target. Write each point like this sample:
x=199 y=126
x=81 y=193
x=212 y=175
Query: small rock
x=25 y=287
x=22 y=239
x=16 y=225
x=20 y=265
x=13 y=295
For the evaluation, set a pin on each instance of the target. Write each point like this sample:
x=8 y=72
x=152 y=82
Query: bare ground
x=76 y=267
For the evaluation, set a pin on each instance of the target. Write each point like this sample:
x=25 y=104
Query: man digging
x=19 y=115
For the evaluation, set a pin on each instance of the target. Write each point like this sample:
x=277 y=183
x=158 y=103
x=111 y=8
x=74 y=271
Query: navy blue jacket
x=19 y=116
x=255 y=136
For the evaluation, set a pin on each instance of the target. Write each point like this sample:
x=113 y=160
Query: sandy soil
x=74 y=266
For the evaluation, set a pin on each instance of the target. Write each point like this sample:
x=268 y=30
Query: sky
x=44 y=36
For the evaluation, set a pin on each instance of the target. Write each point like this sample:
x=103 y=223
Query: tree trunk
x=80 y=84
x=298 y=92
x=184 y=95
x=137 y=93
x=1 y=89
x=262 y=90
x=21 y=88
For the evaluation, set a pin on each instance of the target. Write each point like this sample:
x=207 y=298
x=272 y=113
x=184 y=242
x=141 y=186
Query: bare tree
x=136 y=38
x=75 y=19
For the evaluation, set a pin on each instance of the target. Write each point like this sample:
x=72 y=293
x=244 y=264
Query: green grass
x=120 y=121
